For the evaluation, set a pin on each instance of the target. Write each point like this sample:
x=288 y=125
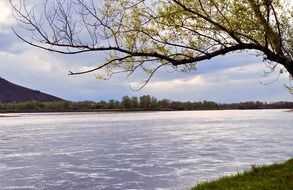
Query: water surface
x=150 y=150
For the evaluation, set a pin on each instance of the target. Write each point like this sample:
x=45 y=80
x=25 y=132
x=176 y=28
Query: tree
x=165 y=103
x=126 y=102
x=154 y=103
x=150 y=34
x=145 y=101
x=134 y=102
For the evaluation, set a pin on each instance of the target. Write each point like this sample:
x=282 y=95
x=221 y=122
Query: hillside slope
x=10 y=92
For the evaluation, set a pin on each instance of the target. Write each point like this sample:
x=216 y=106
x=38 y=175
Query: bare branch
x=134 y=34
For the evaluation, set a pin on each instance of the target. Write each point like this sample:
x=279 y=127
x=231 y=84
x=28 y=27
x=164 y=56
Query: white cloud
x=5 y=13
x=234 y=84
x=44 y=71
x=171 y=84
x=234 y=75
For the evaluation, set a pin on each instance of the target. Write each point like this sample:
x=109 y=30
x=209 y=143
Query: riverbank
x=272 y=177
x=133 y=105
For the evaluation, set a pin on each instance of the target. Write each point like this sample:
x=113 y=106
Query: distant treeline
x=143 y=103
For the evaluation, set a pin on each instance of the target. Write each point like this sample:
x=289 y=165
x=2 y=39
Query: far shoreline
x=80 y=112
x=135 y=104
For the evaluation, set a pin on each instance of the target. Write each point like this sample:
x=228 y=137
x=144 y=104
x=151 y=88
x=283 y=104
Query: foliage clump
x=148 y=34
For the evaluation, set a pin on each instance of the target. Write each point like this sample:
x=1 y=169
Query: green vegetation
x=143 y=103
x=146 y=35
x=273 y=177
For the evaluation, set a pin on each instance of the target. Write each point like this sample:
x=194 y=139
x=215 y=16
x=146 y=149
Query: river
x=144 y=150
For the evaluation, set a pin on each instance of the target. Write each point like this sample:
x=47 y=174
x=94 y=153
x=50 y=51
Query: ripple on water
x=161 y=150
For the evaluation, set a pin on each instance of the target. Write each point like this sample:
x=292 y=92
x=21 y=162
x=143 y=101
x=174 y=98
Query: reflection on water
x=158 y=150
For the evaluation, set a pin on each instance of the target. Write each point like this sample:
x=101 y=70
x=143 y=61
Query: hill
x=10 y=92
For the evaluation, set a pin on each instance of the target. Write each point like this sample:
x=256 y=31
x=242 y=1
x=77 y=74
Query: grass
x=273 y=177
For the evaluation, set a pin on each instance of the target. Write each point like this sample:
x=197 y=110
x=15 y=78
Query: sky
x=225 y=79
